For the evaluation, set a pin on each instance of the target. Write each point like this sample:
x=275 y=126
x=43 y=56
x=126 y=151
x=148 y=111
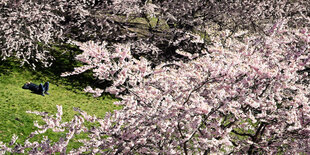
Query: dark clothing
x=31 y=86
x=41 y=89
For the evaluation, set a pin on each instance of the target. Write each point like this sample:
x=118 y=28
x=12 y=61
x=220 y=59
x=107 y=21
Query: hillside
x=15 y=101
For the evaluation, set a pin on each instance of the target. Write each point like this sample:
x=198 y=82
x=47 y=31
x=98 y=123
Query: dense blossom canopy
x=233 y=80
x=157 y=28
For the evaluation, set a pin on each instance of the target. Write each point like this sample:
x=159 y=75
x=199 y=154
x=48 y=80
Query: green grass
x=15 y=101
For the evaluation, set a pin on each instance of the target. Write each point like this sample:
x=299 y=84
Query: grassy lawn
x=15 y=101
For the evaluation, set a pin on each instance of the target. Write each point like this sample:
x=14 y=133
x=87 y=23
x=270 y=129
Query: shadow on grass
x=64 y=61
x=7 y=65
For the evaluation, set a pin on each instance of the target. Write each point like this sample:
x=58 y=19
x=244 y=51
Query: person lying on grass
x=38 y=89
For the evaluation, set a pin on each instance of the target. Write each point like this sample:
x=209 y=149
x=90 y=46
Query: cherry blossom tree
x=24 y=26
x=31 y=26
x=244 y=92
x=239 y=97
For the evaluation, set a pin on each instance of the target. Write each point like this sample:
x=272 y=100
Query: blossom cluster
x=240 y=96
x=24 y=26
x=30 y=27
x=118 y=66
x=208 y=77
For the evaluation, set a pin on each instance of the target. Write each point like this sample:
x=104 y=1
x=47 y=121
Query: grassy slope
x=15 y=101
